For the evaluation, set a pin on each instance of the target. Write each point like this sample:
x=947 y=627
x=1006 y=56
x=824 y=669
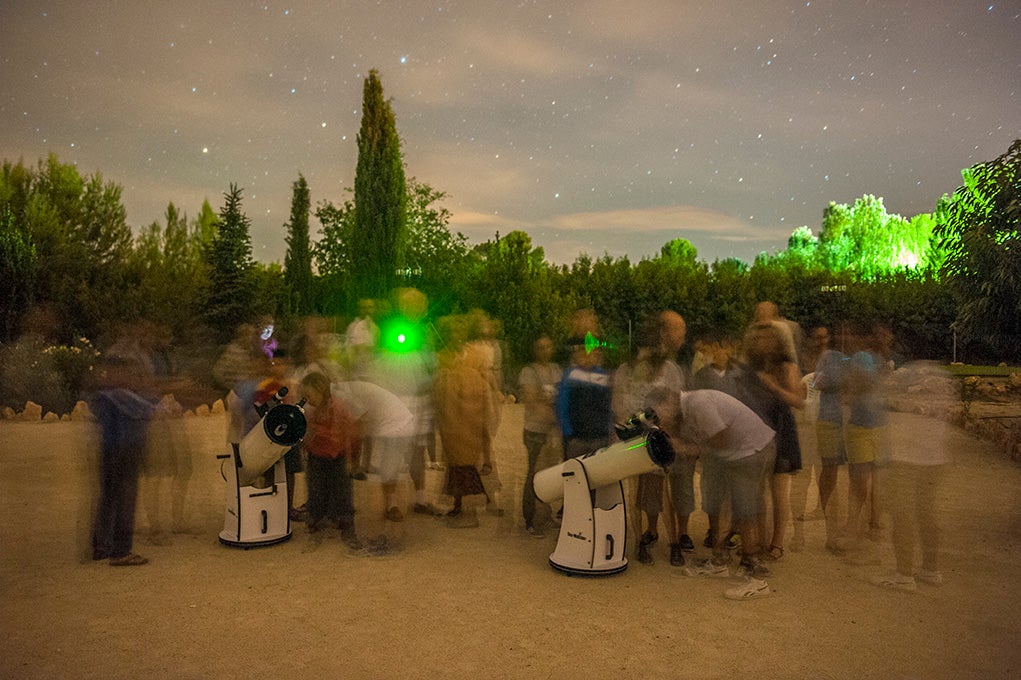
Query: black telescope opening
x=660 y=450
x=284 y=425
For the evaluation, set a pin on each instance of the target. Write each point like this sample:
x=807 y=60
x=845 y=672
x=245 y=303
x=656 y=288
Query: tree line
x=65 y=246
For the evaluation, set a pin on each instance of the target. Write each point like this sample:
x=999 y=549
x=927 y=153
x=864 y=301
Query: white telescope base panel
x=593 y=533
x=255 y=517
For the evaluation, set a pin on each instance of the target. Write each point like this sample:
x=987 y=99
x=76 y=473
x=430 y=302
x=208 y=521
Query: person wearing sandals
x=771 y=385
x=464 y=416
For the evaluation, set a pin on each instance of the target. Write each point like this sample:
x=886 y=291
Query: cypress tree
x=298 y=260
x=380 y=197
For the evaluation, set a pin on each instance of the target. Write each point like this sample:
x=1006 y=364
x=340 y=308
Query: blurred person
x=673 y=333
x=719 y=374
x=277 y=374
x=464 y=401
x=537 y=388
x=330 y=441
x=790 y=332
x=632 y=382
x=361 y=339
x=865 y=430
x=405 y=366
x=481 y=335
x=816 y=343
x=122 y=412
x=167 y=466
x=912 y=485
x=828 y=382
x=770 y=384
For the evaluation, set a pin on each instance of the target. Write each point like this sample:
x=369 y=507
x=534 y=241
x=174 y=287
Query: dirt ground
x=483 y=602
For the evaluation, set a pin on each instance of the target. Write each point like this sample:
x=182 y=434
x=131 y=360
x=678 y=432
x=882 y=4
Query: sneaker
x=644 y=556
x=710 y=538
x=676 y=555
x=296 y=515
x=687 y=545
x=535 y=532
x=394 y=514
x=732 y=541
x=894 y=581
x=753 y=567
x=707 y=568
x=751 y=589
x=933 y=577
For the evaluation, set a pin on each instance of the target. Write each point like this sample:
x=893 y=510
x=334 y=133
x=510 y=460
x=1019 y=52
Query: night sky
x=594 y=126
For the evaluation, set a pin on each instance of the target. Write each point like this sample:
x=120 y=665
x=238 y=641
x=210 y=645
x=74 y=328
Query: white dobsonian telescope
x=256 y=504
x=593 y=533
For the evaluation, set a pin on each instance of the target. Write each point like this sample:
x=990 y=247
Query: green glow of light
x=400 y=336
x=636 y=446
x=592 y=343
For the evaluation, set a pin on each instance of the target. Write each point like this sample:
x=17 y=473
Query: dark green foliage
x=298 y=260
x=230 y=295
x=979 y=228
x=18 y=267
x=378 y=240
x=81 y=240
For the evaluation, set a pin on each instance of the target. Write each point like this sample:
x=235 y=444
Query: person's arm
x=790 y=389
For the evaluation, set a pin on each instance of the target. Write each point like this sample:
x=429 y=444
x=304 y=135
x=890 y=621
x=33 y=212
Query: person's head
x=766 y=346
x=718 y=351
x=819 y=337
x=766 y=311
x=315 y=388
x=673 y=331
x=542 y=349
x=366 y=308
x=582 y=356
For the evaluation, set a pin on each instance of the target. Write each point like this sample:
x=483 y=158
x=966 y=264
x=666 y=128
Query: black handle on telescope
x=609 y=544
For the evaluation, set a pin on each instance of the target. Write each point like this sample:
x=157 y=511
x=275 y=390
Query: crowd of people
x=753 y=420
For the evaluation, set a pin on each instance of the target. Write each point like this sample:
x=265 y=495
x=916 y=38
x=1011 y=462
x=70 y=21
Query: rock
x=51 y=417
x=32 y=412
x=9 y=414
x=218 y=407
x=81 y=412
x=169 y=408
x=202 y=410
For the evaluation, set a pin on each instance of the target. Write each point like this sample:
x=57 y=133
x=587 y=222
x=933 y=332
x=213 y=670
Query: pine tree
x=380 y=197
x=229 y=300
x=298 y=260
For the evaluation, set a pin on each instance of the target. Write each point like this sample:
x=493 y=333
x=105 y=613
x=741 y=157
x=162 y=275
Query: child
x=329 y=441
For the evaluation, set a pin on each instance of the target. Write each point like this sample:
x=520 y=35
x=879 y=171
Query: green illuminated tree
x=979 y=228
x=377 y=249
x=298 y=260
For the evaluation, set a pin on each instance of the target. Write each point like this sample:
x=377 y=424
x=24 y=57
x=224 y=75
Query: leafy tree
x=172 y=272
x=18 y=269
x=333 y=257
x=438 y=261
x=298 y=260
x=512 y=283
x=78 y=229
x=230 y=296
x=377 y=250
x=979 y=229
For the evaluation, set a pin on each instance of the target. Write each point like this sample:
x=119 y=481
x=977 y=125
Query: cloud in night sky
x=593 y=126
